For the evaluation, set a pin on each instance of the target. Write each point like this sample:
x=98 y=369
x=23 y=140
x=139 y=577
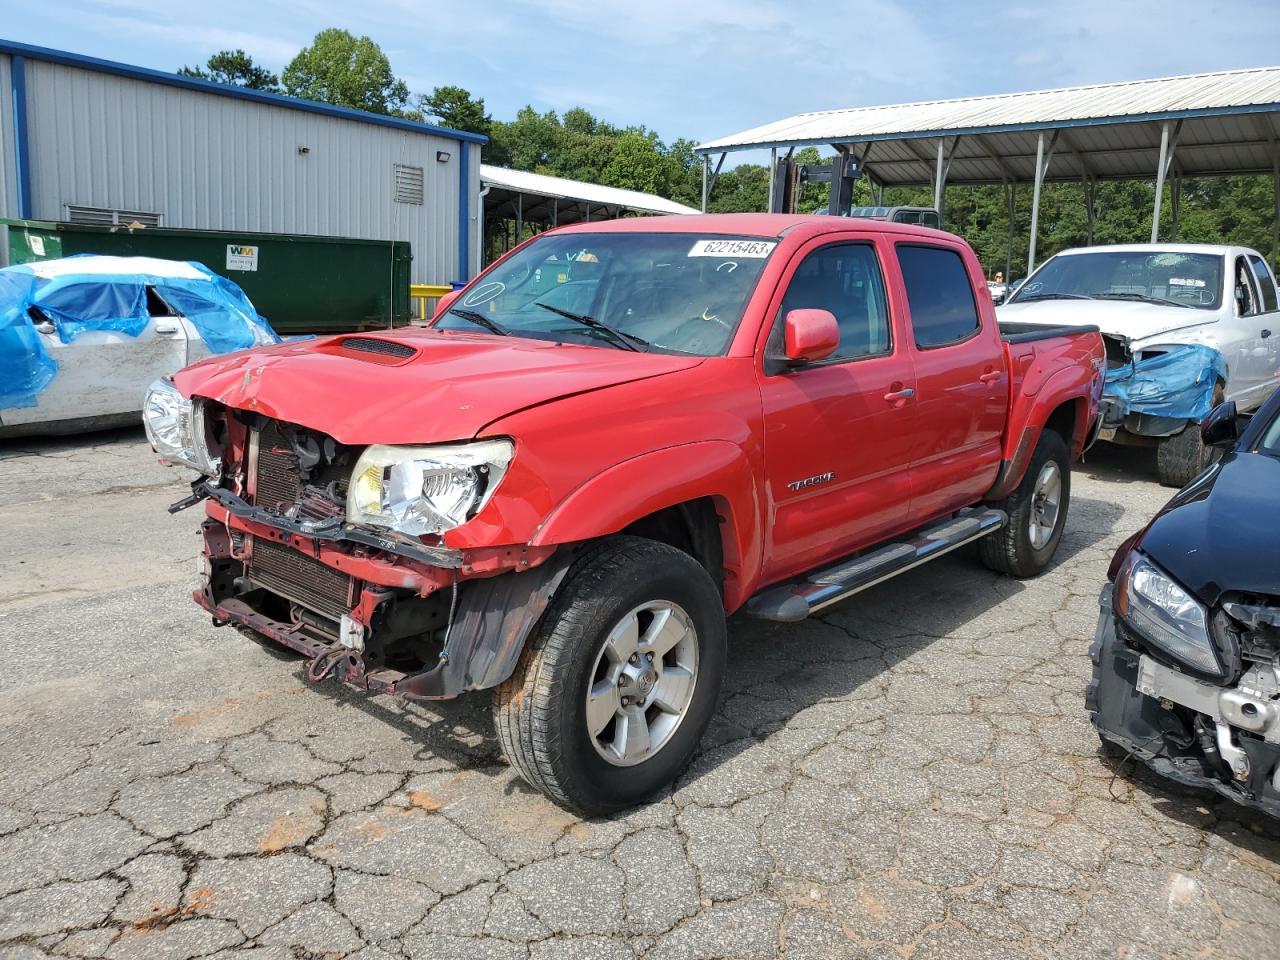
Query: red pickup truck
x=614 y=437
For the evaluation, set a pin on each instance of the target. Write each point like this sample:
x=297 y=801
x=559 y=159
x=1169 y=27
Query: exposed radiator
x=302 y=579
x=276 y=482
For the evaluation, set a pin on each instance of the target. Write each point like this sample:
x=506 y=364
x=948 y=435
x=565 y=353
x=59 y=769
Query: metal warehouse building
x=92 y=141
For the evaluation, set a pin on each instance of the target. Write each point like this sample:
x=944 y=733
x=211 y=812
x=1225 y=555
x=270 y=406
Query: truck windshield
x=1171 y=277
x=660 y=292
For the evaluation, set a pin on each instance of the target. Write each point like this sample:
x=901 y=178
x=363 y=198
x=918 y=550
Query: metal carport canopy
x=1200 y=125
x=573 y=197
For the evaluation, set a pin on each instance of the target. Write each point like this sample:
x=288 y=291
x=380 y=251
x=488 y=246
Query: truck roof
x=1209 y=248
x=747 y=224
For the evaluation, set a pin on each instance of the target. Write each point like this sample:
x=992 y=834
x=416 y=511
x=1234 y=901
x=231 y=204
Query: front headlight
x=176 y=429
x=1162 y=612
x=421 y=490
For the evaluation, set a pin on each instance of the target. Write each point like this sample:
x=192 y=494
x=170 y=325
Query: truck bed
x=1014 y=332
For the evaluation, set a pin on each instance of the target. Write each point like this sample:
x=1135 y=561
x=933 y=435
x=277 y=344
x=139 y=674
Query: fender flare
x=615 y=498
x=1048 y=398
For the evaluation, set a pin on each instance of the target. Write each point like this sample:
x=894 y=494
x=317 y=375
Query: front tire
x=1037 y=511
x=619 y=681
x=1180 y=458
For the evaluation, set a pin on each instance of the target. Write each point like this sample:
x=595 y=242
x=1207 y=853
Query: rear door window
x=943 y=310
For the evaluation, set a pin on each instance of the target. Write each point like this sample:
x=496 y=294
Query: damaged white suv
x=1186 y=326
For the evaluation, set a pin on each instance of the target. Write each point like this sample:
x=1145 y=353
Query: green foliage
x=347 y=71
x=235 y=68
x=454 y=107
x=342 y=69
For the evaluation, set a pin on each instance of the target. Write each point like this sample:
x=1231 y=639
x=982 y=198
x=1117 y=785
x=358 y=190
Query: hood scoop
x=388 y=351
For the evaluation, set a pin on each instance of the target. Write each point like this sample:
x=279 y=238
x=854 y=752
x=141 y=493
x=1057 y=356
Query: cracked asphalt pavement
x=911 y=776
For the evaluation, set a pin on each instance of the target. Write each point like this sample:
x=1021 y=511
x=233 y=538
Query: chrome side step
x=793 y=601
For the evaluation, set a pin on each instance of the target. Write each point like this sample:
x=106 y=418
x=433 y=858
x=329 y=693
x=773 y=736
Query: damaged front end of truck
x=381 y=609
x=1156 y=392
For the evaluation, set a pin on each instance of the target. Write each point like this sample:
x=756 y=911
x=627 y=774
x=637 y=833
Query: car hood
x=450 y=388
x=1222 y=533
x=1130 y=319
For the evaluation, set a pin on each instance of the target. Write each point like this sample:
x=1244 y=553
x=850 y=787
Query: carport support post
x=1164 y=164
x=706 y=173
x=939 y=176
x=1011 y=207
x=1035 y=202
x=1275 y=223
x=1090 y=199
x=773 y=172
x=519 y=218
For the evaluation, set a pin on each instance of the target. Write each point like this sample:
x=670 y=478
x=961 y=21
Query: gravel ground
x=910 y=776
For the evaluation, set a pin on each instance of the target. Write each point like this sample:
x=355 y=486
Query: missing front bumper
x=491 y=619
x=1154 y=727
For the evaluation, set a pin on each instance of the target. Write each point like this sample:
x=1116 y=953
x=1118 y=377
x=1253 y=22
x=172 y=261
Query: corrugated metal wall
x=8 y=175
x=214 y=162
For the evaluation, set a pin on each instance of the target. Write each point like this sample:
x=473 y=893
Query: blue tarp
x=88 y=292
x=1177 y=384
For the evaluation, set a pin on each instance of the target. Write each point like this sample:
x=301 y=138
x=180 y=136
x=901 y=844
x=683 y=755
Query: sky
x=691 y=68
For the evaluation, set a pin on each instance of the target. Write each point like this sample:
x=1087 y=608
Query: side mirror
x=810 y=335
x=444 y=303
x=1220 y=428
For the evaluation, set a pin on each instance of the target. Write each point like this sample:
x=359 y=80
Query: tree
x=637 y=164
x=454 y=107
x=235 y=68
x=347 y=71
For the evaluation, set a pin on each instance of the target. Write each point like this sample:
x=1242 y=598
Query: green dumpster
x=300 y=284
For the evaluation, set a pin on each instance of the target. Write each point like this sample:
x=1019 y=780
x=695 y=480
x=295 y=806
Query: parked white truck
x=1186 y=326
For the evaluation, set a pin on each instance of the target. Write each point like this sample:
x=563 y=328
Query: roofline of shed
x=1033 y=126
x=14 y=49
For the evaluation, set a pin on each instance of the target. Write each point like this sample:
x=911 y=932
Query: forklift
x=842 y=173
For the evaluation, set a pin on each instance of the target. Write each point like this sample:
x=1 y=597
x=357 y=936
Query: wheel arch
x=678 y=495
x=1064 y=413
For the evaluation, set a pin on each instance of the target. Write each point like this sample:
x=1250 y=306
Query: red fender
x=1073 y=386
x=617 y=497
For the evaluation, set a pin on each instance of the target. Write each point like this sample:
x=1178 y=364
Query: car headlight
x=1157 y=608
x=421 y=490
x=176 y=429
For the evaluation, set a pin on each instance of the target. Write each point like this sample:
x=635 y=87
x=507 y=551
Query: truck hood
x=1218 y=533
x=452 y=386
x=1130 y=319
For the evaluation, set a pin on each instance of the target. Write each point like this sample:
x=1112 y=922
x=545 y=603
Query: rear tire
x=1037 y=511
x=568 y=720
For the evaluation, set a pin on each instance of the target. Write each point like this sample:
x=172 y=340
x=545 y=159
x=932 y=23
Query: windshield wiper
x=1052 y=296
x=478 y=318
x=624 y=340
x=1142 y=297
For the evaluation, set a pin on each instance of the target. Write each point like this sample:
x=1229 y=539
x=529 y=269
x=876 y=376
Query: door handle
x=894 y=396
x=168 y=328
x=990 y=376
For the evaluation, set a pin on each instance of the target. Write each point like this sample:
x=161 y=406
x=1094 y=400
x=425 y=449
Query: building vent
x=408 y=184
x=103 y=217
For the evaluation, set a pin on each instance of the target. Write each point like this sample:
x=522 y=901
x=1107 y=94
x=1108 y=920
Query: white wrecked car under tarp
x=81 y=337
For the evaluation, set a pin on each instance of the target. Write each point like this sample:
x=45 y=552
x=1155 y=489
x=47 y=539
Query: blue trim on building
x=21 y=151
x=19 y=50
x=464 y=212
